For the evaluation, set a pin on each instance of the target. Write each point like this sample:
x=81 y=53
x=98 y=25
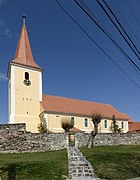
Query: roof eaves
x=26 y=66
x=80 y=115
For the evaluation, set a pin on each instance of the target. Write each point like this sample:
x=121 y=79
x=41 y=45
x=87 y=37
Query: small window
x=86 y=122
x=105 y=124
x=27 y=81
x=72 y=120
x=122 y=124
x=26 y=75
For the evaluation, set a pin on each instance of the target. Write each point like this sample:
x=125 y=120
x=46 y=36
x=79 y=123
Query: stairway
x=78 y=166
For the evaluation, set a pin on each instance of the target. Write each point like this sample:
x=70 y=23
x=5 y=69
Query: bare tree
x=96 y=119
x=67 y=123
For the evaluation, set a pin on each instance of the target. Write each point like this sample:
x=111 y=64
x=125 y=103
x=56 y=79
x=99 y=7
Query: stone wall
x=15 y=138
x=83 y=139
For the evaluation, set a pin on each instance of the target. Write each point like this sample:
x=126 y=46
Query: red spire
x=23 y=53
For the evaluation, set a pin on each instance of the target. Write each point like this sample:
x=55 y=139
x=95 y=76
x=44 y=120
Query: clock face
x=27 y=82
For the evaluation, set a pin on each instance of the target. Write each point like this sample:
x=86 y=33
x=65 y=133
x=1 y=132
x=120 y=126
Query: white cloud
x=8 y=33
x=3 y=77
x=4 y=29
x=2 y=1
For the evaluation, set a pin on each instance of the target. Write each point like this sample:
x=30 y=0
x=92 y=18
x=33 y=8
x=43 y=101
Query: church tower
x=25 y=85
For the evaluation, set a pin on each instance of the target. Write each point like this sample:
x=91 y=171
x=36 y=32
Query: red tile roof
x=128 y=117
x=134 y=127
x=56 y=104
x=74 y=129
x=23 y=53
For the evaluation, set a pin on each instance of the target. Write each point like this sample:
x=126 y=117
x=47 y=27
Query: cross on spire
x=24 y=19
x=23 y=54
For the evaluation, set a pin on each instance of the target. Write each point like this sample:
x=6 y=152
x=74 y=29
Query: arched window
x=105 y=123
x=27 y=81
x=72 y=120
x=26 y=75
x=122 y=125
x=86 y=122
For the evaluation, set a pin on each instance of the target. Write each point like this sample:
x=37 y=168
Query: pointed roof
x=23 y=54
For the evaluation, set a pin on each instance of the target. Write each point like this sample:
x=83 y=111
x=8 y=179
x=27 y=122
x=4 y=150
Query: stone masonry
x=14 y=138
x=78 y=166
x=83 y=139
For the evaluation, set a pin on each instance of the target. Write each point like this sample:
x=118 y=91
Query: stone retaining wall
x=15 y=138
x=83 y=139
x=118 y=139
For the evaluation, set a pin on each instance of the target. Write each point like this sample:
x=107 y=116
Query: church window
x=122 y=124
x=105 y=123
x=72 y=120
x=26 y=75
x=86 y=122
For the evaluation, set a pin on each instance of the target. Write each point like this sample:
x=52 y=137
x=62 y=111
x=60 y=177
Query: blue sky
x=73 y=65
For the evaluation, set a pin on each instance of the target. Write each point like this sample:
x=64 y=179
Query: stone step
x=84 y=178
x=78 y=166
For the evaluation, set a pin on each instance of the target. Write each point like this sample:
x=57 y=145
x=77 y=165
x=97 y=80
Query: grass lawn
x=35 y=166
x=114 y=162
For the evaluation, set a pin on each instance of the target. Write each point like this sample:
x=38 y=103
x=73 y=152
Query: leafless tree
x=96 y=119
x=67 y=123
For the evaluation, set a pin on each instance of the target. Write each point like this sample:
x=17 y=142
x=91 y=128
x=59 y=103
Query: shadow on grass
x=133 y=165
x=11 y=169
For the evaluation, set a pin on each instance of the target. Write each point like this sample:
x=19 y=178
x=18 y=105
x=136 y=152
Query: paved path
x=78 y=166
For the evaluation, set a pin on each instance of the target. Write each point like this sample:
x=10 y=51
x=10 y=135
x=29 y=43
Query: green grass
x=114 y=162
x=109 y=162
x=34 y=166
